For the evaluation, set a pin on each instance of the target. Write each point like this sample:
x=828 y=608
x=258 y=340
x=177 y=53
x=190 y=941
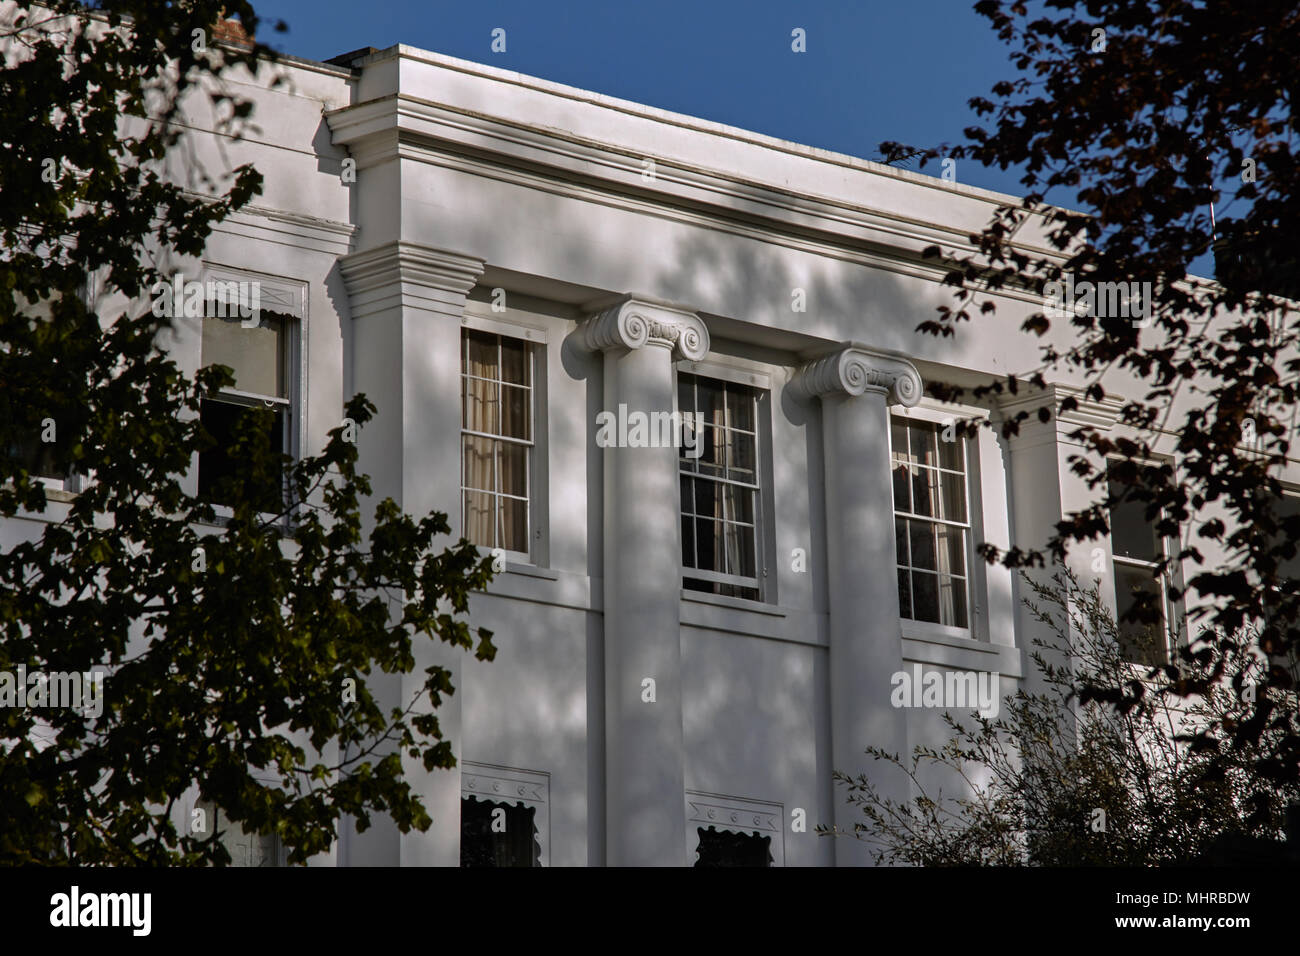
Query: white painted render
x=470 y=179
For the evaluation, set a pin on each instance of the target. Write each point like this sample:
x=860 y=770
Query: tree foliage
x=1056 y=781
x=237 y=648
x=1142 y=115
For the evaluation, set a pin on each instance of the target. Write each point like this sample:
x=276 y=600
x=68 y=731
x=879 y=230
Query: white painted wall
x=470 y=179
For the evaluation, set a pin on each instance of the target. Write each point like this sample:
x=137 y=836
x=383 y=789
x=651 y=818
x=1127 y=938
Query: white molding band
x=408 y=273
x=635 y=322
x=504 y=784
x=1102 y=415
x=855 y=369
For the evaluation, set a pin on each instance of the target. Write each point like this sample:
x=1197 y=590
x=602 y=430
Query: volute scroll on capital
x=633 y=324
x=855 y=370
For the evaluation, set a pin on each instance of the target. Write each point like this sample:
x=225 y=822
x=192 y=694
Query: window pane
x=1132 y=535
x=900 y=540
x=688 y=542
x=685 y=392
x=952 y=601
x=1138 y=588
x=478 y=463
x=925 y=597
x=923 y=441
x=951 y=453
x=514 y=413
x=921 y=543
x=480 y=401
x=39 y=458
x=1288 y=507
x=898 y=439
x=951 y=553
x=514 y=361
x=255 y=355
x=689 y=438
x=481 y=354
x=740 y=408
x=220 y=463
x=713 y=454
x=512 y=534
x=740 y=504
x=708 y=545
x=740 y=550
x=477 y=516
x=902 y=489
x=952 y=497
x=512 y=468
x=740 y=460
x=924 y=491
x=216 y=465
x=709 y=395
x=688 y=499
x=708 y=498
x=905 y=593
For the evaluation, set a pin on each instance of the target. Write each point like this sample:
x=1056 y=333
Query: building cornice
x=404 y=126
x=856 y=369
x=291 y=229
x=1101 y=415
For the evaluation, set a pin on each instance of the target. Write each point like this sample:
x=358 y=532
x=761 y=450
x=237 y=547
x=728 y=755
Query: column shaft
x=856 y=386
x=645 y=769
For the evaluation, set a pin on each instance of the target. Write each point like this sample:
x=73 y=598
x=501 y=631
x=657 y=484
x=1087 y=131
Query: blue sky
x=873 y=70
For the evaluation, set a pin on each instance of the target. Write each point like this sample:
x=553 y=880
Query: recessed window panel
x=1142 y=608
x=720 y=488
x=931 y=523
x=497 y=441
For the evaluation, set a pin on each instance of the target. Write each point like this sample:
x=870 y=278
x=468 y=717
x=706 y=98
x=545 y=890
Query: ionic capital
x=854 y=370
x=633 y=323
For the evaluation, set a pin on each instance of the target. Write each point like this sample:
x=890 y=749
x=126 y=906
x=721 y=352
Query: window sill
x=738 y=604
x=929 y=646
x=532 y=571
x=940 y=634
x=224 y=515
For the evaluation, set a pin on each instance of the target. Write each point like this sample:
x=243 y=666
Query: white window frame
x=761 y=383
x=1171 y=610
x=938 y=413
x=536 y=341
x=736 y=814
x=284 y=297
x=531 y=788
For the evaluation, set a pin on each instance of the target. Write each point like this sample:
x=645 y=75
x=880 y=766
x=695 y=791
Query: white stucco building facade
x=684 y=643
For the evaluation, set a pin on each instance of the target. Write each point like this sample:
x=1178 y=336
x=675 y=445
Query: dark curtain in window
x=480 y=846
x=727 y=848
